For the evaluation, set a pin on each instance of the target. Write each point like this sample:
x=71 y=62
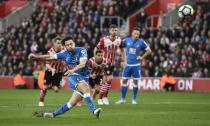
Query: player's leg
x=135 y=91
x=136 y=74
x=73 y=80
x=66 y=106
x=109 y=78
x=107 y=86
x=43 y=91
x=103 y=89
x=96 y=91
x=55 y=88
x=97 y=81
x=124 y=87
x=84 y=88
x=42 y=95
x=92 y=85
x=56 y=80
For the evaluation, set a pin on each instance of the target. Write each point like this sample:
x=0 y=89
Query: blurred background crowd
x=183 y=49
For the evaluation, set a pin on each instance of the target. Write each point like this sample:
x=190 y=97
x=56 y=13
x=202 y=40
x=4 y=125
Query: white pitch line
x=143 y=103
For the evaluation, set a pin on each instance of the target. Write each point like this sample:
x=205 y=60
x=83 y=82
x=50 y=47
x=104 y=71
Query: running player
x=53 y=72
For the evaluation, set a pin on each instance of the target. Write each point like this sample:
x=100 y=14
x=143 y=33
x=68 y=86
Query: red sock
x=106 y=94
x=108 y=86
x=42 y=95
x=101 y=95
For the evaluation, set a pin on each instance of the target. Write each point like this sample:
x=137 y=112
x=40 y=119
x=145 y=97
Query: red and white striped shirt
x=56 y=64
x=96 y=68
x=109 y=48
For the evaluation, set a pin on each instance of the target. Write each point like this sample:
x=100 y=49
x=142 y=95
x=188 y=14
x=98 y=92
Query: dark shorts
x=109 y=70
x=96 y=81
x=54 y=80
x=169 y=87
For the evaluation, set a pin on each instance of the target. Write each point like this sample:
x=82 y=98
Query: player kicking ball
x=78 y=76
x=133 y=46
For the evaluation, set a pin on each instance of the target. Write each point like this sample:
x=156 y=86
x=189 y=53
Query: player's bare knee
x=56 y=90
x=84 y=88
x=109 y=80
x=74 y=99
x=135 y=82
x=97 y=91
x=125 y=81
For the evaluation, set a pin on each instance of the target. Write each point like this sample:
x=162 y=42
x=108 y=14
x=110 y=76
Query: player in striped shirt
x=96 y=67
x=53 y=71
x=109 y=44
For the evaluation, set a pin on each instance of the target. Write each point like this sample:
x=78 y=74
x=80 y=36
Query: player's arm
x=41 y=57
x=147 y=53
x=82 y=63
x=79 y=66
x=60 y=55
x=90 y=67
x=100 y=46
x=49 y=67
x=147 y=49
x=123 y=54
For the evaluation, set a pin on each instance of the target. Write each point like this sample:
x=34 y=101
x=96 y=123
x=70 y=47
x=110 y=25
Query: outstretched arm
x=41 y=57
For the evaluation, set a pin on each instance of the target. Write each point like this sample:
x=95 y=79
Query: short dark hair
x=98 y=51
x=57 y=38
x=66 y=39
x=112 y=26
x=136 y=29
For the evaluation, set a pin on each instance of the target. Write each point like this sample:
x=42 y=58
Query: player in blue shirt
x=133 y=47
x=78 y=76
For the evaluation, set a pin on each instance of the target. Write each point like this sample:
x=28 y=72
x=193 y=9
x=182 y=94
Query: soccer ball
x=185 y=11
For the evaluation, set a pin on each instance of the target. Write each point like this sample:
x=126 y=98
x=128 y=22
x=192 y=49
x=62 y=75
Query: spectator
x=167 y=82
x=19 y=81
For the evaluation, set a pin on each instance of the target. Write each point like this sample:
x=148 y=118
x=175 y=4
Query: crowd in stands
x=185 y=49
x=68 y=17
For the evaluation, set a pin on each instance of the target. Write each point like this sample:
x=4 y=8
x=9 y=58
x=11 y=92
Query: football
x=185 y=11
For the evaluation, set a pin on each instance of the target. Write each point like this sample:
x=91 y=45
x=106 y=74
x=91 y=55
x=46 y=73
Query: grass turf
x=154 y=109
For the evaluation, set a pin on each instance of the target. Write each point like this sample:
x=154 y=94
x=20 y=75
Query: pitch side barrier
x=145 y=84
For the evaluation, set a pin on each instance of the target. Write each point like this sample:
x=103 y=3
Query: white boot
x=121 y=101
x=97 y=112
x=105 y=100
x=134 y=102
x=100 y=102
x=41 y=104
x=48 y=115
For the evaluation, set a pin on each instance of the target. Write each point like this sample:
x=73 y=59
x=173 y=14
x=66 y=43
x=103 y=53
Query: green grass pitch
x=154 y=109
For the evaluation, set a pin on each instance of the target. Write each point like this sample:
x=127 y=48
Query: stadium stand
x=184 y=49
